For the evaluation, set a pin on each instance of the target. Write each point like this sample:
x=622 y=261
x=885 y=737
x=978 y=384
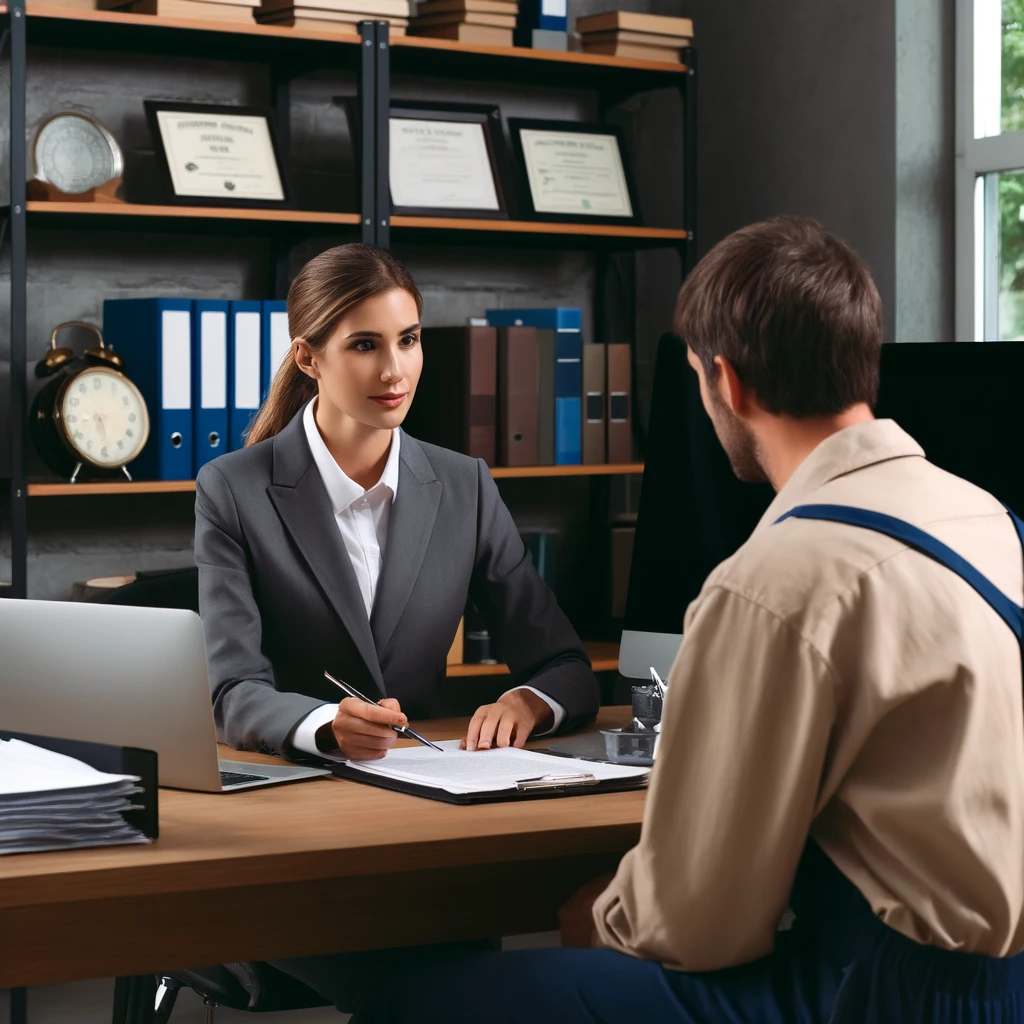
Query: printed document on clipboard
x=505 y=773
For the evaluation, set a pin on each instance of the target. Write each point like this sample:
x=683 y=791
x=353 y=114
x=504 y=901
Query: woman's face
x=370 y=366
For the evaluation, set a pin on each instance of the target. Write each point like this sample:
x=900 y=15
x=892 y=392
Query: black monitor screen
x=964 y=403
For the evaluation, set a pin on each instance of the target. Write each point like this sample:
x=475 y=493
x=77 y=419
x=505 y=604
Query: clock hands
x=101 y=418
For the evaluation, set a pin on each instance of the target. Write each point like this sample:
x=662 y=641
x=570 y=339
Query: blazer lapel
x=409 y=530
x=301 y=500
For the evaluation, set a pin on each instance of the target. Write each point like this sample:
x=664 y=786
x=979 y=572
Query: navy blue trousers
x=838 y=965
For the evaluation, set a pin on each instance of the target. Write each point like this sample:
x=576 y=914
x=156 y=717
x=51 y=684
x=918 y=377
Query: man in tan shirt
x=844 y=727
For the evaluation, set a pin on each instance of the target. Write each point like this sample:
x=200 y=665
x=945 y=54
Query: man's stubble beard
x=739 y=443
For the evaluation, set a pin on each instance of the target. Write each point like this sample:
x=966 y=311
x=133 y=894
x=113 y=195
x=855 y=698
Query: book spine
x=595 y=405
x=518 y=386
x=620 y=412
x=568 y=398
x=482 y=412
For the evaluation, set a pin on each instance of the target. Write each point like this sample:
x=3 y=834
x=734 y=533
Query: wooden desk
x=313 y=867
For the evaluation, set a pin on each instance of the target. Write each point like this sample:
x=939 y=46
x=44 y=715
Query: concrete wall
x=843 y=112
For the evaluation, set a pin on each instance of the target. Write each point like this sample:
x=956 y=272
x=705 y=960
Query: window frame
x=975 y=272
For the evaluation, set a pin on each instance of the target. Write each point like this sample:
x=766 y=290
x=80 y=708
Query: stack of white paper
x=486 y=771
x=49 y=801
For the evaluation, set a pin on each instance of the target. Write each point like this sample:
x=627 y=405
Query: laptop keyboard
x=234 y=778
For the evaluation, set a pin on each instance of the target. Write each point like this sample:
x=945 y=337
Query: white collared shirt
x=362 y=517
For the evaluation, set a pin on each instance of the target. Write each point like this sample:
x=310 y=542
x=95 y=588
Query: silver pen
x=657 y=682
x=402 y=730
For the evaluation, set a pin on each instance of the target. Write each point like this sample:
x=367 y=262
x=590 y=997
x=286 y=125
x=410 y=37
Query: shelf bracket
x=367 y=127
x=19 y=297
x=382 y=95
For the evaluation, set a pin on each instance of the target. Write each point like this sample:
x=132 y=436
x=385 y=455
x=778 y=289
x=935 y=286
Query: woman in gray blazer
x=335 y=541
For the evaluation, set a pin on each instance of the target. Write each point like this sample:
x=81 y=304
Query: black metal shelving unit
x=374 y=58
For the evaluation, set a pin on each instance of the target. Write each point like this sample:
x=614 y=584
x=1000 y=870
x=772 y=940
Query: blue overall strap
x=1010 y=613
x=1017 y=522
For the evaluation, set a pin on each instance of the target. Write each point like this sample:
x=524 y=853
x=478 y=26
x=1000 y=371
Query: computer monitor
x=961 y=402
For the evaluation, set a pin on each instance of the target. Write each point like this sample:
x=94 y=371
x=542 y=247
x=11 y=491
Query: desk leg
x=19 y=1006
x=134 y=999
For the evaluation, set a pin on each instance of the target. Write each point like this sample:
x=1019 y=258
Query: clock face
x=75 y=154
x=105 y=417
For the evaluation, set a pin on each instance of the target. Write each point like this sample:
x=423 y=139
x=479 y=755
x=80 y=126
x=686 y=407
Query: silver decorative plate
x=74 y=153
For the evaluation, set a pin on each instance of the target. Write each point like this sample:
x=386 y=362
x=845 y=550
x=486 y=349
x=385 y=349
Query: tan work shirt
x=834 y=683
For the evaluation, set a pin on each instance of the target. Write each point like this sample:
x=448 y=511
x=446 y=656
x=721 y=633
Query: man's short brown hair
x=794 y=310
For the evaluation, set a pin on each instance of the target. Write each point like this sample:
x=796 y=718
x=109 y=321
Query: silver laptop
x=130 y=676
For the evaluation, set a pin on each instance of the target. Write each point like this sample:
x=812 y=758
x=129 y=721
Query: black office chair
x=256 y=987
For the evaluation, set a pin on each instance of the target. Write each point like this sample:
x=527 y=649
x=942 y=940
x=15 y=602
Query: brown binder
x=620 y=404
x=455 y=405
x=595 y=405
x=518 y=390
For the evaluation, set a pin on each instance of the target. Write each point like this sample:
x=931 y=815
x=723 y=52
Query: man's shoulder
x=802 y=569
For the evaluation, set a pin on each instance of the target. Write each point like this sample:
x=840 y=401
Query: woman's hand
x=507 y=723
x=362 y=730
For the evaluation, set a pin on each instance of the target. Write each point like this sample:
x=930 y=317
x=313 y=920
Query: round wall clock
x=74 y=153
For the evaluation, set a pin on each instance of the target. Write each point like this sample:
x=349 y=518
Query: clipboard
x=581 y=784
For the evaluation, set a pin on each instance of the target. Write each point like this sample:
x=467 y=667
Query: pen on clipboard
x=402 y=730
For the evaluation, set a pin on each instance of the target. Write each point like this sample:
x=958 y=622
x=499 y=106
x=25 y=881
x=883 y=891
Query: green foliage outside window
x=1011 y=185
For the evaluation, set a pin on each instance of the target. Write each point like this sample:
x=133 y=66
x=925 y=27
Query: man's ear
x=730 y=389
x=305 y=358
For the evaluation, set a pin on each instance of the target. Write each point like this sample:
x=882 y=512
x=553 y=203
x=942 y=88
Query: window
x=990 y=171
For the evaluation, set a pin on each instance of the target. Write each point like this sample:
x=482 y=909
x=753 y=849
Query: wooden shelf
x=413 y=225
x=189 y=212
x=78 y=26
x=530 y=227
x=120 y=19
x=52 y=490
x=449 y=47
x=610 y=469
x=124 y=487
x=603 y=656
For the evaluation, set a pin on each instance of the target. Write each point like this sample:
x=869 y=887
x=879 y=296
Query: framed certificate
x=573 y=172
x=217 y=155
x=444 y=160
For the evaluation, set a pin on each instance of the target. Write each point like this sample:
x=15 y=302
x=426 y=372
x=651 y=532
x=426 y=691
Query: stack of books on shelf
x=207 y=10
x=642 y=36
x=470 y=21
x=522 y=389
x=342 y=16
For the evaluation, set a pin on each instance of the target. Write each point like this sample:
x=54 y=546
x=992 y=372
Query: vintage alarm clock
x=90 y=414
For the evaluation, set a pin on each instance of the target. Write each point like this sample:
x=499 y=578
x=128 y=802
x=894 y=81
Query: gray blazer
x=280 y=603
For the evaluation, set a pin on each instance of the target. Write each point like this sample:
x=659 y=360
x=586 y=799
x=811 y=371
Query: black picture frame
x=486 y=114
x=170 y=196
x=527 y=209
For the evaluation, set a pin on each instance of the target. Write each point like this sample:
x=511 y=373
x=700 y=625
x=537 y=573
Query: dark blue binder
x=210 y=366
x=155 y=338
x=568 y=398
x=558 y=318
x=245 y=378
x=277 y=341
x=546 y=14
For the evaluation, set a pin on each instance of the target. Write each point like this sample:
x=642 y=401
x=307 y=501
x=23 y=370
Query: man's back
x=833 y=681
x=926 y=762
